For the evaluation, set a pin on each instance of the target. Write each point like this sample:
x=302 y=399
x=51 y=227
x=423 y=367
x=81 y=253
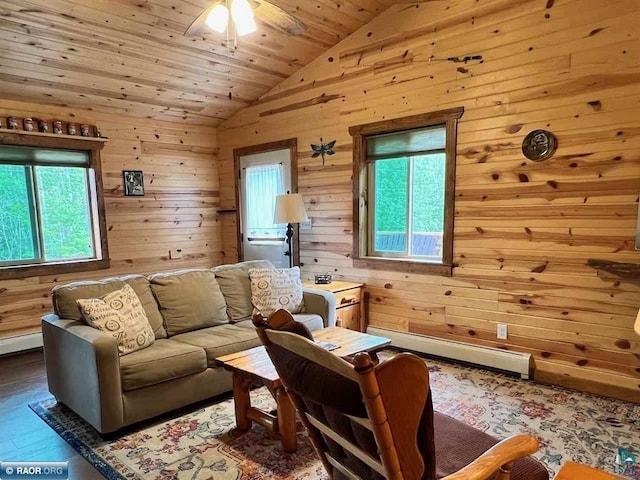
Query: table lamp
x=289 y=210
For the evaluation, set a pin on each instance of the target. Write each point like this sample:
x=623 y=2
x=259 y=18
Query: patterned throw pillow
x=120 y=314
x=272 y=289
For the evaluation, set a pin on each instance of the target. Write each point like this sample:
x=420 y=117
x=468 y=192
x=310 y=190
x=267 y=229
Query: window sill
x=24 y=271
x=403 y=265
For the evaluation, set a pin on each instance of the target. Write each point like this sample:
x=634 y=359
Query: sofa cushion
x=222 y=340
x=310 y=320
x=120 y=314
x=164 y=360
x=189 y=300
x=272 y=289
x=236 y=287
x=64 y=298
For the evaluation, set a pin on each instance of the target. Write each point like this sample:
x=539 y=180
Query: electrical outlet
x=502 y=331
x=306 y=225
x=175 y=254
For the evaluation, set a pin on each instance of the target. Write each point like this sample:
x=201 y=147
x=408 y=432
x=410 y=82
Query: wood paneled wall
x=178 y=211
x=523 y=230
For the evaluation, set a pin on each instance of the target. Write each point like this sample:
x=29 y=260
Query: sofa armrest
x=322 y=303
x=83 y=371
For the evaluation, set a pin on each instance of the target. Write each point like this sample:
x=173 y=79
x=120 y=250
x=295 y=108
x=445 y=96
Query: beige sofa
x=196 y=315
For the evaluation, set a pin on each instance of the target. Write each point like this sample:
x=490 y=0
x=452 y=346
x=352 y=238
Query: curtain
x=263 y=183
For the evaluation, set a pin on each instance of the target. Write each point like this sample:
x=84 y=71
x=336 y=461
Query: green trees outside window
x=391 y=179
x=16 y=233
x=408 y=192
x=45 y=214
x=409 y=186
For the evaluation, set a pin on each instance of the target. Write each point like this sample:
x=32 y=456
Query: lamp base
x=289 y=235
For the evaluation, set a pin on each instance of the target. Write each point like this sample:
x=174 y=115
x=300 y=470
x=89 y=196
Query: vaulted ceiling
x=130 y=56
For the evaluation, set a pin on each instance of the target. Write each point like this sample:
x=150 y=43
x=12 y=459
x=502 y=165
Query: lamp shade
x=290 y=209
x=636 y=327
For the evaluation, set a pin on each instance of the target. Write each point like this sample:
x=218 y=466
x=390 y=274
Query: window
x=404 y=172
x=264 y=183
x=49 y=210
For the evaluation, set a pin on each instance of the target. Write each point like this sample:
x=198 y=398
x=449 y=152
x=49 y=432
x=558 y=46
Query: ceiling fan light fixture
x=218 y=18
x=243 y=18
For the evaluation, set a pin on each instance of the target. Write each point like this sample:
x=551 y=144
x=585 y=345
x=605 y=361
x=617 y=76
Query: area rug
x=202 y=445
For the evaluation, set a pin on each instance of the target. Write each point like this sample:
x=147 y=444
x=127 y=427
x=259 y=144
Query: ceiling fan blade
x=278 y=18
x=198 y=26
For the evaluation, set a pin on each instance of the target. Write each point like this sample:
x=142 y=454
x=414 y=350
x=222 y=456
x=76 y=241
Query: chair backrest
x=361 y=424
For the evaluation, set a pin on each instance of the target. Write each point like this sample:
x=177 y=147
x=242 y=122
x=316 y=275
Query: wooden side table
x=577 y=471
x=349 y=303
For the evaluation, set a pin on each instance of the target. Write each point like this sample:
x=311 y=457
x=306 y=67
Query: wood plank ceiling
x=130 y=56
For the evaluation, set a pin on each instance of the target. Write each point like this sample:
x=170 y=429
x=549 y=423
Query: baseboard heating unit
x=20 y=343
x=516 y=362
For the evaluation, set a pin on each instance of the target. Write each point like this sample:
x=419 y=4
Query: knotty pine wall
x=523 y=230
x=179 y=209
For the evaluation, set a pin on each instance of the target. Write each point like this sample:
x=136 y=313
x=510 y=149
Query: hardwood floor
x=23 y=435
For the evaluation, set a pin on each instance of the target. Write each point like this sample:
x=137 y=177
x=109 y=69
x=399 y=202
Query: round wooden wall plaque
x=539 y=145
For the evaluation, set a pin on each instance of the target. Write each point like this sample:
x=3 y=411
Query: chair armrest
x=322 y=303
x=83 y=371
x=505 y=452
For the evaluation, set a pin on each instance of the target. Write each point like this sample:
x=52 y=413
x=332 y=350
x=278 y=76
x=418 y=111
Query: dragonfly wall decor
x=323 y=149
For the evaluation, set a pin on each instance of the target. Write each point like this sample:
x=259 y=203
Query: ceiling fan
x=217 y=15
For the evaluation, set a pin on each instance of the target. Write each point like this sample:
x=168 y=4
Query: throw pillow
x=272 y=289
x=65 y=298
x=121 y=315
x=236 y=287
x=189 y=300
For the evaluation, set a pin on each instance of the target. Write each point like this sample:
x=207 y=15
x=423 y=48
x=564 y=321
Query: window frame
x=361 y=178
x=93 y=147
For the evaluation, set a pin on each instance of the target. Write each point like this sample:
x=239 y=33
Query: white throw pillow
x=272 y=289
x=120 y=314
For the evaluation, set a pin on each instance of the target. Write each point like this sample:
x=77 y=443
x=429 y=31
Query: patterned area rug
x=202 y=445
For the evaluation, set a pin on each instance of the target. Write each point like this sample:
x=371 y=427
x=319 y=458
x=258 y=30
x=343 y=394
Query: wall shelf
x=52 y=135
x=51 y=140
x=629 y=272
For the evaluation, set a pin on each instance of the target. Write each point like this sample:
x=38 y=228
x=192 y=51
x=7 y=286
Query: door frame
x=292 y=145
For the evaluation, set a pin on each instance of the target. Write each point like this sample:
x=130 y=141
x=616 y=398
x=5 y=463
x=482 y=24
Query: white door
x=262 y=177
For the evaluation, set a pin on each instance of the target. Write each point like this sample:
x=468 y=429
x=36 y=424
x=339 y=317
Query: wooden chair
x=370 y=421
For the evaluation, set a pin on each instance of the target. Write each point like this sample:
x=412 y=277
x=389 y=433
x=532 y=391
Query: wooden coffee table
x=254 y=367
x=577 y=471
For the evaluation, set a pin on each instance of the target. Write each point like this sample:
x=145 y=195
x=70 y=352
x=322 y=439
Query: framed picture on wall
x=133 y=183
